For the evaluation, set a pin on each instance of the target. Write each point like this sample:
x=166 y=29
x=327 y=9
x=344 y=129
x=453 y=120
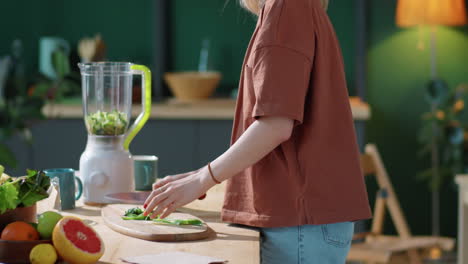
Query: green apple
x=46 y=223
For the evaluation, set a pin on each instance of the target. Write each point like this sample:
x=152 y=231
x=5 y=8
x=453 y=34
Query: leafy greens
x=107 y=124
x=137 y=214
x=23 y=191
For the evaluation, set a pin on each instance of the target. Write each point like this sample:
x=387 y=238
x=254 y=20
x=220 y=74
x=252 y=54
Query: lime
x=46 y=223
x=43 y=254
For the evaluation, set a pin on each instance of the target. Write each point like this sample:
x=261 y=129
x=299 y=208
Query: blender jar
x=107 y=97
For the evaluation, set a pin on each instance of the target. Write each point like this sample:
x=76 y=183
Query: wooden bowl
x=192 y=86
x=16 y=252
x=25 y=214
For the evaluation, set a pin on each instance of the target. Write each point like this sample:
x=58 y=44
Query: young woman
x=293 y=169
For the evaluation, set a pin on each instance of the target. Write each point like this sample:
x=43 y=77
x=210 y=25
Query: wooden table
x=462 y=181
x=235 y=244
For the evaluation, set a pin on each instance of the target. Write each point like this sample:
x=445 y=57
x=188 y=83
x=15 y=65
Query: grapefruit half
x=76 y=242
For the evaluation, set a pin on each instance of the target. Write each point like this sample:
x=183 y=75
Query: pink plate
x=128 y=197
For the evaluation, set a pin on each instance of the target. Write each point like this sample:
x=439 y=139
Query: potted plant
x=18 y=110
x=443 y=132
x=65 y=84
x=19 y=195
x=442 y=138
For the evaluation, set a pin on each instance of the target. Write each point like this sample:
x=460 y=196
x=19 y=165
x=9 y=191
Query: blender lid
x=105 y=67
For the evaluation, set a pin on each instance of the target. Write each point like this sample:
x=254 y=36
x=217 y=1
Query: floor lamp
x=432 y=13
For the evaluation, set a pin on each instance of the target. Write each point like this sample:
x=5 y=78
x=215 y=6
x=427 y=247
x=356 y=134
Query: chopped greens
x=107 y=123
x=23 y=191
x=137 y=214
x=178 y=221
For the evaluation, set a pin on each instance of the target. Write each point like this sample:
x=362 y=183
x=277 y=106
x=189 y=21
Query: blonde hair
x=255 y=6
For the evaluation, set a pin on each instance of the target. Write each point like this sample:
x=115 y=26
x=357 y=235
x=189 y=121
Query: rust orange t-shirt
x=294 y=68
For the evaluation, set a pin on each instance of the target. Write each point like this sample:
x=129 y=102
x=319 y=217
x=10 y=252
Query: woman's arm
x=259 y=139
x=262 y=137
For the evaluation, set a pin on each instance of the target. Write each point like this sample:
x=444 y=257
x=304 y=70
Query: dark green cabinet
x=181 y=145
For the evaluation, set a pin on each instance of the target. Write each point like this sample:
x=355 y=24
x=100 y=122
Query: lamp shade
x=431 y=12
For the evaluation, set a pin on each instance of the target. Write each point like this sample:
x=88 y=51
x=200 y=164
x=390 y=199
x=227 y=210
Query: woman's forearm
x=262 y=137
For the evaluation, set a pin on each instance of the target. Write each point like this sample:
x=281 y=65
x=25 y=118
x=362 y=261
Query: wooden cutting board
x=112 y=216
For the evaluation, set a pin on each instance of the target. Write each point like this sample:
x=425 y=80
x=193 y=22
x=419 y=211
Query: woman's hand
x=177 y=191
x=171 y=178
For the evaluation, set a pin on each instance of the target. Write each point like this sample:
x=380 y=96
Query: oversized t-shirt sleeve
x=281 y=82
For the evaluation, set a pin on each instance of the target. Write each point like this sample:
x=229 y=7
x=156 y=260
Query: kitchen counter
x=235 y=244
x=212 y=109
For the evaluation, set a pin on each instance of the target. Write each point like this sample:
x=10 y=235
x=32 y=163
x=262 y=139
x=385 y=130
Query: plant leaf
x=61 y=63
x=7 y=157
x=33 y=188
x=8 y=197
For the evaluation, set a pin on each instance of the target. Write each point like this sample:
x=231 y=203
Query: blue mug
x=47 y=47
x=67 y=190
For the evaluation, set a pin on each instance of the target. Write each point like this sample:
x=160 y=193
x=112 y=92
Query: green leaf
x=456 y=135
x=30 y=173
x=8 y=197
x=7 y=157
x=437 y=91
x=33 y=187
x=41 y=89
x=61 y=63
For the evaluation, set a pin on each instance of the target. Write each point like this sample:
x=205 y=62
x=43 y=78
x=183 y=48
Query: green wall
x=229 y=28
x=397 y=74
x=397 y=71
x=125 y=26
x=128 y=30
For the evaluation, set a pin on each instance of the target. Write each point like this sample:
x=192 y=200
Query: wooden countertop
x=212 y=109
x=235 y=244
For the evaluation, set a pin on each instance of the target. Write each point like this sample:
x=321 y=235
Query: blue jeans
x=307 y=244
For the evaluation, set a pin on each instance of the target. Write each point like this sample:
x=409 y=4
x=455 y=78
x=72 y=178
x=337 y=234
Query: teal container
x=145 y=171
x=67 y=182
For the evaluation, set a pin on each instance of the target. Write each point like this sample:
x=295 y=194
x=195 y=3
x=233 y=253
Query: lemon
x=43 y=254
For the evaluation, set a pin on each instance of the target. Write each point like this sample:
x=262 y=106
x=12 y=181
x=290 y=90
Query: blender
x=106 y=165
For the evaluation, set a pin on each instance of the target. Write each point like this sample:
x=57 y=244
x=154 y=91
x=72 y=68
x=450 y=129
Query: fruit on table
x=47 y=222
x=43 y=254
x=76 y=242
x=20 y=231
